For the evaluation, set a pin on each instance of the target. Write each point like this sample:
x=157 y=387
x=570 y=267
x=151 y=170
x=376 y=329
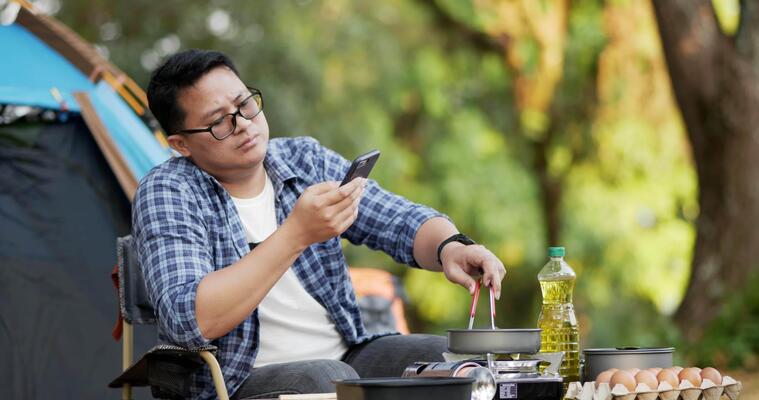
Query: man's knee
x=317 y=376
x=431 y=347
x=435 y=342
x=390 y=355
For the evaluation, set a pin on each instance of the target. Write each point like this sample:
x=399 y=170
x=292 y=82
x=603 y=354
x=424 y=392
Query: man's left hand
x=464 y=264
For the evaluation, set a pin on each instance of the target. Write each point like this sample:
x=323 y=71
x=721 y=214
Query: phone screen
x=361 y=166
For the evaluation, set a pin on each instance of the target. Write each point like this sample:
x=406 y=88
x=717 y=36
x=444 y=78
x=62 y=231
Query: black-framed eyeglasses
x=225 y=125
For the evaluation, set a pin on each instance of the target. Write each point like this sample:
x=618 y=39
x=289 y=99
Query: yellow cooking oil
x=557 y=318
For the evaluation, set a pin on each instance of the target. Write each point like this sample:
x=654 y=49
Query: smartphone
x=361 y=166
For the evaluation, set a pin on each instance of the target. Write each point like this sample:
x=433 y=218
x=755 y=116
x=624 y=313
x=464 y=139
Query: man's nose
x=241 y=123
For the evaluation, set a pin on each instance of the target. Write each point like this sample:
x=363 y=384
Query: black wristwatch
x=459 y=237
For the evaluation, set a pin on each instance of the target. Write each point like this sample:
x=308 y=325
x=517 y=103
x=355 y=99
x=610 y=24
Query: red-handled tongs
x=475 y=298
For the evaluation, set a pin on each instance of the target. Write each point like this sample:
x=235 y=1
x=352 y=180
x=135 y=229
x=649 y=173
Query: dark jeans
x=381 y=357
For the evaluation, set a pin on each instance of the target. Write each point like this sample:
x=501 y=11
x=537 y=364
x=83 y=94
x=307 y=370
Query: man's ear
x=179 y=143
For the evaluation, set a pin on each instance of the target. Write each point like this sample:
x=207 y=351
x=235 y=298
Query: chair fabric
x=133 y=295
x=165 y=368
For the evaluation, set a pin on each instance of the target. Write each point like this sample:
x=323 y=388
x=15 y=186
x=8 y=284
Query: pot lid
x=630 y=350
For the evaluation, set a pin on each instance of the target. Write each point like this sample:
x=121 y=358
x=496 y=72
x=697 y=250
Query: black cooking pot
x=599 y=360
x=405 y=388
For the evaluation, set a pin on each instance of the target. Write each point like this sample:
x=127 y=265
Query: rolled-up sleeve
x=386 y=221
x=172 y=246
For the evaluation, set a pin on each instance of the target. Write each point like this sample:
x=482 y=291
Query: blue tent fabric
x=61 y=210
x=30 y=70
x=137 y=144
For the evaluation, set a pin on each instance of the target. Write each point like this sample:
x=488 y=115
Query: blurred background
x=624 y=130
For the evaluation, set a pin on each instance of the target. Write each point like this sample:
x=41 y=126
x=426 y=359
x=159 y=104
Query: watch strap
x=459 y=237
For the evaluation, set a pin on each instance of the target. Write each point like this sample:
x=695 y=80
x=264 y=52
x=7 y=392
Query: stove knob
x=483 y=387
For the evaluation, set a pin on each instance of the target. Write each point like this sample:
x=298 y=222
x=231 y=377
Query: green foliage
x=728 y=14
x=732 y=340
x=366 y=74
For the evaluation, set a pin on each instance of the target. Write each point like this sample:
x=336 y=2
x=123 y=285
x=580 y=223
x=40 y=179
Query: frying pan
x=493 y=340
x=496 y=341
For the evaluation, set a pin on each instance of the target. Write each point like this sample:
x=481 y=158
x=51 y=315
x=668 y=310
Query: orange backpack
x=380 y=297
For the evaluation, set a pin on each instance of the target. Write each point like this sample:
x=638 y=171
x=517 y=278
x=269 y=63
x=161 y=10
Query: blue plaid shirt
x=185 y=226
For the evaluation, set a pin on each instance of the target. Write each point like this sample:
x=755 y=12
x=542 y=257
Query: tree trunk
x=549 y=188
x=715 y=81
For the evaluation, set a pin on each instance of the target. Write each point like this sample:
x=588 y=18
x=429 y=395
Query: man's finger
x=347 y=217
x=339 y=193
x=353 y=185
x=492 y=274
x=340 y=206
x=457 y=275
x=323 y=187
x=355 y=195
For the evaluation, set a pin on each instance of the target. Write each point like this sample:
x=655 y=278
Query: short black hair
x=179 y=71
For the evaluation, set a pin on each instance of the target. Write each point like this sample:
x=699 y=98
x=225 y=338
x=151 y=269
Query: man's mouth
x=249 y=141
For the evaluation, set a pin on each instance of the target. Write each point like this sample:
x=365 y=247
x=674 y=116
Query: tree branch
x=747 y=35
x=691 y=40
x=446 y=23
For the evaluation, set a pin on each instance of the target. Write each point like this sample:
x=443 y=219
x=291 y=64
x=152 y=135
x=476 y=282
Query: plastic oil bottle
x=557 y=315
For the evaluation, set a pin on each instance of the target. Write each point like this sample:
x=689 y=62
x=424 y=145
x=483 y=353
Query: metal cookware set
x=509 y=357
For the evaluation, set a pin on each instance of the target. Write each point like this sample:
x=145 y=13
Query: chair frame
x=127 y=353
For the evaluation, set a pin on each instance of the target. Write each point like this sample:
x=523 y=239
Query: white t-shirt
x=293 y=325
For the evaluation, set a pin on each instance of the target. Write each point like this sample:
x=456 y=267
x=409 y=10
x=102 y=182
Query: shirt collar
x=278 y=169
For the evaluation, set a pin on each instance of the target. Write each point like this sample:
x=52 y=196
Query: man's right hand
x=325 y=210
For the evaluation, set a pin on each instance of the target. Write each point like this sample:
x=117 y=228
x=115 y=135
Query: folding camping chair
x=165 y=368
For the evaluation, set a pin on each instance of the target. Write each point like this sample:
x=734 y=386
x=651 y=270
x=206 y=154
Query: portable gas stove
x=518 y=378
x=521 y=379
x=519 y=373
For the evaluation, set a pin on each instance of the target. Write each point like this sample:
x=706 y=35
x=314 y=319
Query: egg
x=605 y=377
x=633 y=371
x=676 y=369
x=647 y=378
x=669 y=376
x=712 y=375
x=623 y=378
x=691 y=374
x=654 y=371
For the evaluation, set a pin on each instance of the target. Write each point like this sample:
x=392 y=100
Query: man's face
x=220 y=92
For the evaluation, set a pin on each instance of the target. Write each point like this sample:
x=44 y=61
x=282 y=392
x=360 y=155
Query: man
x=239 y=242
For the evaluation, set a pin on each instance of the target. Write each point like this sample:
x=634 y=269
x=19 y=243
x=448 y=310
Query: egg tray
x=708 y=390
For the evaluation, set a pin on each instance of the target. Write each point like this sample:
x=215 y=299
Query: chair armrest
x=218 y=377
x=167 y=370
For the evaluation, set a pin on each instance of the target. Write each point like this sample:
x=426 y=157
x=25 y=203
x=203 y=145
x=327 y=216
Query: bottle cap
x=555 y=252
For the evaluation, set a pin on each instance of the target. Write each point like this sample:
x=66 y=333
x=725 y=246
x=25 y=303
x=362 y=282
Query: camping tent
x=74 y=141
